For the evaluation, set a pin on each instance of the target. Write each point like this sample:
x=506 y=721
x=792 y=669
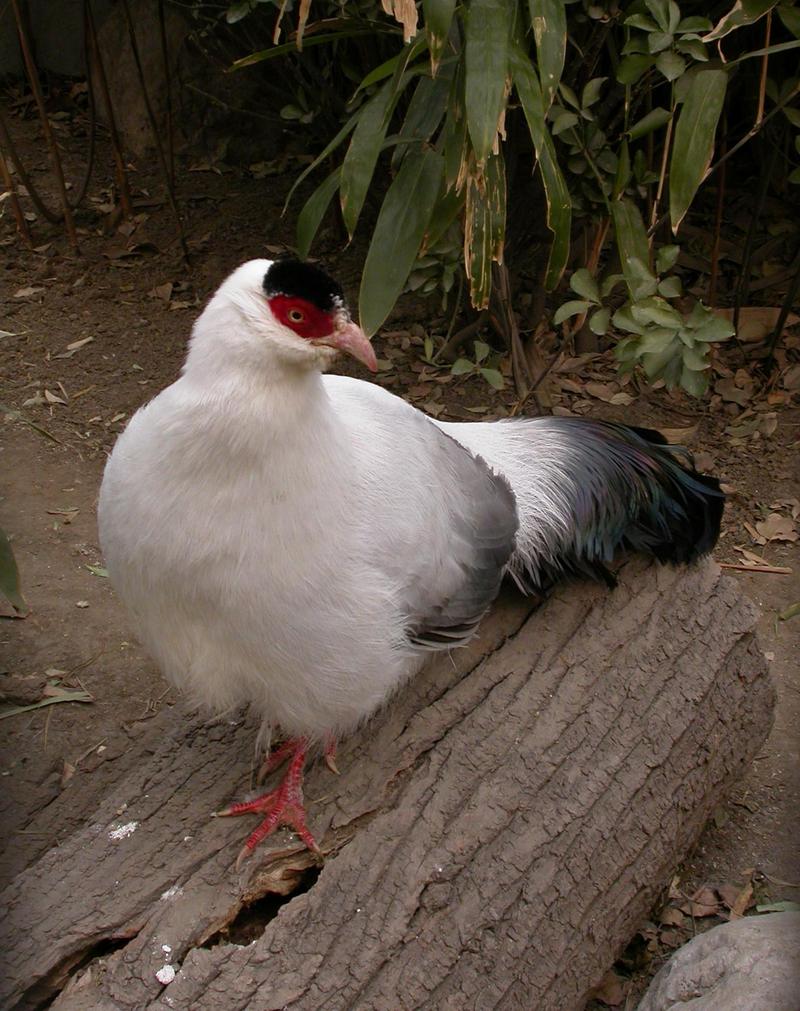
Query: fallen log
x=495 y=838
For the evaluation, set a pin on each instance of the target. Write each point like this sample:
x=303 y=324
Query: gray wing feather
x=483 y=535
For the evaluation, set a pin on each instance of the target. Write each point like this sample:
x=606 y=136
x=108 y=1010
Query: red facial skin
x=305 y=319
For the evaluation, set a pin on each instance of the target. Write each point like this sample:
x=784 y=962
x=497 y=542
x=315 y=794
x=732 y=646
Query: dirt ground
x=87 y=337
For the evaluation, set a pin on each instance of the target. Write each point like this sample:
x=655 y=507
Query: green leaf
x=656 y=310
x=631 y=240
x=670 y=287
x=461 y=366
x=401 y=224
x=660 y=11
x=583 y=284
x=310 y=217
x=695 y=49
x=599 y=321
x=623 y=320
x=438 y=16
x=693 y=24
x=568 y=309
x=610 y=282
x=559 y=204
x=658 y=42
x=790 y=16
x=482 y=351
x=715 y=329
x=694 y=359
x=329 y=149
x=563 y=120
x=237 y=11
x=484 y=229
x=493 y=378
x=488 y=25
x=312 y=40
x=9 y=576
x=623 y=174
x=743 y=12
x=362 y=154
x=632 y=67
x=425 y=112
x=641 y=21
x=448 y=208
x=549 y=22
x=591 y=93
x=98 y=570
x=666 y=258
x=694 y=140
x=695 y=383
x=656 y=363
x=569 y=96
x=670 y=65
x=653 y=120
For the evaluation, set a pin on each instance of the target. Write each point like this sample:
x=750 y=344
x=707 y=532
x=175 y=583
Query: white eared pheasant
x=300 y=542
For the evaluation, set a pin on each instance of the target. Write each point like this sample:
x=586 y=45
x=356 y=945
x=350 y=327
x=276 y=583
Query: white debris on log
x=118 y=832
x=166 y=974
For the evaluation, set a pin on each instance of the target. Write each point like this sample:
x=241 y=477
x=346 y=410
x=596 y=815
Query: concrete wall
x=57 y=29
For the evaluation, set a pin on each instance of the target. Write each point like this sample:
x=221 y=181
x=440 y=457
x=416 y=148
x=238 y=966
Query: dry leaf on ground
x=777 y=528
x=757 y=321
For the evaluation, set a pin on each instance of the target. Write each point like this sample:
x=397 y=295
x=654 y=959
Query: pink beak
x=350 y=338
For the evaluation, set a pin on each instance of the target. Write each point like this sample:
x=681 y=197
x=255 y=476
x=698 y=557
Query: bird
x=301 y=541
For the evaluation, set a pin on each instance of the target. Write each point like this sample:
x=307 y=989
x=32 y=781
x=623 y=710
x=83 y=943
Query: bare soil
x=131 y=296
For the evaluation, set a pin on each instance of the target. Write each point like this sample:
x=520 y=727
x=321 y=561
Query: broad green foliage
x=616 y=107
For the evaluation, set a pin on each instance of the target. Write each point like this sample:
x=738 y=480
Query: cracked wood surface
x=496 y=835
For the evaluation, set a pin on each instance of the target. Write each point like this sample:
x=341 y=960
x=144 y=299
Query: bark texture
x=495 y=838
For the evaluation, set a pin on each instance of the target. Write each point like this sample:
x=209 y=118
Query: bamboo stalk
x=154 y=127
x=19 y=216
x=121 y=175
x=55 y=157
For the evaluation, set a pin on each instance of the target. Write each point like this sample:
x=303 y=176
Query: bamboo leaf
x=549 y=22
x=694 y=140
x=362 y=154
x=484 y=230
x=310 y=217
x=329 y=149
x=425 y=111
x=653 y=120
x=438 y=18
x=632 y=244
x=310 y=40
x=486 y=63
x=559 y=205
x=743 y=12
x=403 y=218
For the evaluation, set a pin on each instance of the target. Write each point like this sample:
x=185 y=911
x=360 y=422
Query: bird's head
x=284 y=310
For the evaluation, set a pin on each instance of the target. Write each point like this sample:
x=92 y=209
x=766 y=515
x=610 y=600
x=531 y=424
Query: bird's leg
x=282 y=806
x=277 y=757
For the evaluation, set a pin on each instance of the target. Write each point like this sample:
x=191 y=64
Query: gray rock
x=746 y=965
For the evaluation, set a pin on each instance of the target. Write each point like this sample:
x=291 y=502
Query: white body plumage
x=297 y=542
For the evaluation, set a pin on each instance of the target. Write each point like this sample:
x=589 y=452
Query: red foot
x=283 y=805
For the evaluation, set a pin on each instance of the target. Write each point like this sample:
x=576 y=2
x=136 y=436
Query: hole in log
x=45 y=991
x=253 y=917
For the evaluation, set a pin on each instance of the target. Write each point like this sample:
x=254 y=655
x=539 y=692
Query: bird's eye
x=296 y=315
